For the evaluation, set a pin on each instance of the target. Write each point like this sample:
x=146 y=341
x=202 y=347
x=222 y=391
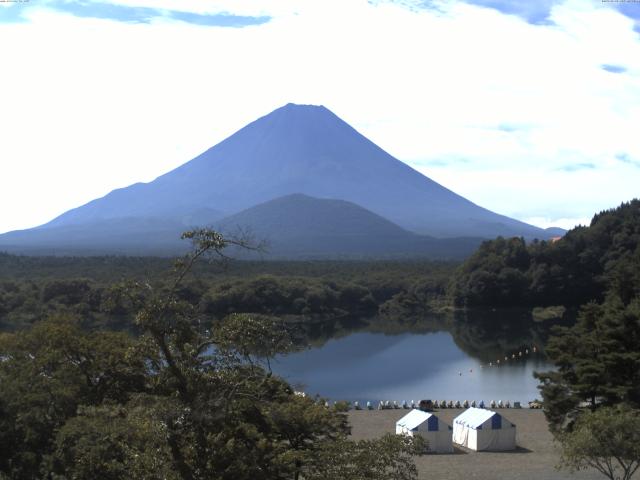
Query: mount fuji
x=296 y=151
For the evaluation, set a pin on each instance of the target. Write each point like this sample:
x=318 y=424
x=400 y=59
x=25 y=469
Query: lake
x=374 y=366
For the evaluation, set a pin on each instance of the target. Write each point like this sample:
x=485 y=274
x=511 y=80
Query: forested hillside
x=580 y=267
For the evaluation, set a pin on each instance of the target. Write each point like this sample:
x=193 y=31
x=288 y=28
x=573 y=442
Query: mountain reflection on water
x=443 y=358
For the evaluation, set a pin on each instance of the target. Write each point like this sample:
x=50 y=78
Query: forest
x=581 y=267
x=165 y=359
x=93 y=287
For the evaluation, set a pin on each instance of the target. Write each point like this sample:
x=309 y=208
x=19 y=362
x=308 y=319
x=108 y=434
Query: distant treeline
x=114 y=268
x=99 y=289
x=583 y=266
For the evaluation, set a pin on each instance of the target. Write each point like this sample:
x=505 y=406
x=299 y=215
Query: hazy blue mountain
x=302 y=149
x=301 y=226
x=294 y=149
x=133 y=236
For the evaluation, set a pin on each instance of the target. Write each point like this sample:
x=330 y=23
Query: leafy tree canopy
x=578 y=268
x=597 y=360
x=607 y=440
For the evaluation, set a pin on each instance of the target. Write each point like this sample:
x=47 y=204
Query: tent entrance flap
x=432 y=424
x=496 y=422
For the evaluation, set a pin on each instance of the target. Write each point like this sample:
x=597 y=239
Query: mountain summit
x=297 y=149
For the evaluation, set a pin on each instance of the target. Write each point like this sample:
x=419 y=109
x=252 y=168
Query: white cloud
x=562 y=199
x=90 y=105
x=235 y=7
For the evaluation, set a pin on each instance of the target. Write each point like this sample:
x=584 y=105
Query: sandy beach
x=535 y=458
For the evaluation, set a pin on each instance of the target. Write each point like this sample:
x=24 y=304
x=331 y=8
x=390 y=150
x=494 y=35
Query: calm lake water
x=373 y=366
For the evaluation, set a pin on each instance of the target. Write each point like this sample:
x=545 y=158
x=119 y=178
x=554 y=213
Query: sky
x=530 y=109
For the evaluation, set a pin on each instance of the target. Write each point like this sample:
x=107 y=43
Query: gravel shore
x=535 y=459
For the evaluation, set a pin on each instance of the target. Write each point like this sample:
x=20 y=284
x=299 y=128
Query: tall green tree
x=597 y=360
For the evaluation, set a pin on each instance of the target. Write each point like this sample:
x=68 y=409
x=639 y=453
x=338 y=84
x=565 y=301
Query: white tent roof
x=413 y=419
x=474 y=417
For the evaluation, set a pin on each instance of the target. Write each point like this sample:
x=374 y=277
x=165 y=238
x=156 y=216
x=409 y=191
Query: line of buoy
x=514 y=356
x=429 y=405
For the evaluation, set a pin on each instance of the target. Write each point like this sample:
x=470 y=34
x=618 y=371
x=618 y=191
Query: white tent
x=479 y=429
x=429 y=427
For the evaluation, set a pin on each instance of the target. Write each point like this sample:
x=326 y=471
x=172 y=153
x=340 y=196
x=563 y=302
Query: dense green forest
x=114 y=268
x=580 y=267
x=94 y=288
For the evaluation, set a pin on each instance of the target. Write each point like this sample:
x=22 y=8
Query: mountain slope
x=301 y=226
x=132 y=236
x=306 y=149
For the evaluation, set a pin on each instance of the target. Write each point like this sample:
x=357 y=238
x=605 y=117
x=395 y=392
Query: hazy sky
x=531 y=108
